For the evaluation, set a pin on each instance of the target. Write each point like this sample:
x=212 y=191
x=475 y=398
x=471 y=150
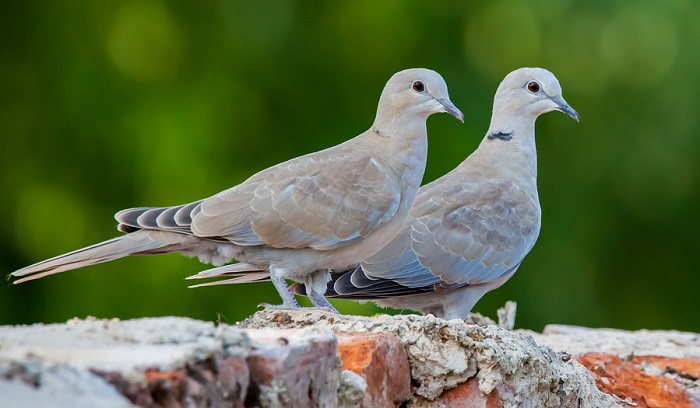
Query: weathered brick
x=293 y=368
x=688 y=367
x=382 y=361
x=211 y=382
x=468 y=395
x=622 y=378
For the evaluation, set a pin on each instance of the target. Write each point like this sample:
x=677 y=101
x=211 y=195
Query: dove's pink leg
x=320 y=301
x=315 y=284
x=288 y=299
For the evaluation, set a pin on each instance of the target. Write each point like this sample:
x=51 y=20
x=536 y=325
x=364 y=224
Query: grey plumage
x=469 y=230
x=298 y=218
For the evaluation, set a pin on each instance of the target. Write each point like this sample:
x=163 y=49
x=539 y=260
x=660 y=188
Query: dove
x=469 y=230
x=299 y=218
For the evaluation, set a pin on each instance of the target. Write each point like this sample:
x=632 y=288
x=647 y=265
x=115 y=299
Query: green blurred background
x=109 y=105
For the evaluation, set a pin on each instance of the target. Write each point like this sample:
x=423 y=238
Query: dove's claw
x=268 y=306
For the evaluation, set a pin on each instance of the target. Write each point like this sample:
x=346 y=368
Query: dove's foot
x=268 y=306
x=321 y=302
x=283 y=306
x=288 y=299
x=330 y=309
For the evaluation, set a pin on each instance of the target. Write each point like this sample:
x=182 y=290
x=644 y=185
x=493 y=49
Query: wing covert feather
x=485 y=235
x=322 y=201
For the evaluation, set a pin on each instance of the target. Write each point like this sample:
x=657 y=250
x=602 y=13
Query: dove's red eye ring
x=418 y=86
x=533 y=86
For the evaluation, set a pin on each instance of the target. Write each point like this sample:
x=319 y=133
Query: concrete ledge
x=316 y=359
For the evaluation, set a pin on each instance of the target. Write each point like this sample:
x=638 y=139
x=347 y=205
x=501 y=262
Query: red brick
x=621 y=378
x=684 y=366
x=166 y=389
x=382 y=361
x=295 y=368
x=468 y=395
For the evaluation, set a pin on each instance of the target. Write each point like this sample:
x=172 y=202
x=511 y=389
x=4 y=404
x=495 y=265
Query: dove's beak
x=562 y=106
x=451 y=109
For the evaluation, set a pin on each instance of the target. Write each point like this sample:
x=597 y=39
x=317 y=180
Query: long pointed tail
x=241 y=272
x=139 y=242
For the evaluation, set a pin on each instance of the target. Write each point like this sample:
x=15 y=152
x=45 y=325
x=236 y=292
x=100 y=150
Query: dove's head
x=416 y=93
x=530 y=92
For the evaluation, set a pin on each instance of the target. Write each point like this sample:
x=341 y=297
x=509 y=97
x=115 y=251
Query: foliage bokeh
x=109 y=105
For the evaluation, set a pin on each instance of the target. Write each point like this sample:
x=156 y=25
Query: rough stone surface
x=444 y=354
x=126 y=347
x=582 y=340
x=293 y=358
x=382 y=362
x=352 y=390
x=158 y=362
x=32 y=384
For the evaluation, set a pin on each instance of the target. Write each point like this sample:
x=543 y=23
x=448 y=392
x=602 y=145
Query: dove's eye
x=533 y=86
x=418 y=86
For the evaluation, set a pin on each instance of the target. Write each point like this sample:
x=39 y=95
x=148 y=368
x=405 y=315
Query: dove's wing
x=475 y=233
x=458 y=235
x=321 y=201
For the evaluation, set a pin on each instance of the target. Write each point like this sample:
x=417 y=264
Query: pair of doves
x=351 y=222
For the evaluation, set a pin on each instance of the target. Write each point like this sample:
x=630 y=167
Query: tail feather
x=249 y=277
x=299 y=289
x=241 y=272
x=226 y=270
x=98 y=253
